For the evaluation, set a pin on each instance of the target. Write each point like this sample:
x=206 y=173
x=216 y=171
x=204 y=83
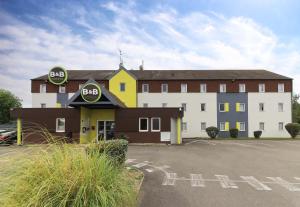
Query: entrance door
x=106 y=130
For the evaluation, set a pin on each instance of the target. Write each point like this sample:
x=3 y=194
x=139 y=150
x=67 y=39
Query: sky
x=36 y=35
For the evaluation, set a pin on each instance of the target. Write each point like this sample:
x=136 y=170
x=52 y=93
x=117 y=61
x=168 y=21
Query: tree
x=296 y=108
x=7 y=101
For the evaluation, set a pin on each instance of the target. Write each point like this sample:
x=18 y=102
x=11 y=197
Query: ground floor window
x=261 y=126
x=60 y=124
x=145 y=105
x=143 y=124
x=222 y=126
x=155 y=124
x=184 y=126
x=242 y=126
x=203 y=126
x=280 y=126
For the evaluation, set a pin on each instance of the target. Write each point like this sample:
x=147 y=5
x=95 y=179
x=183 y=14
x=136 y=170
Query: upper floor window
x=183 y=88
x=280 y=107
x=164 y=105
x=122 y=87
x=62 y=89
x=222 y=107
x=261 y=107
x=242 y=88
x=202 y=107
x=222 y=88
x=43 y=88
x=145 y=105
x=164 y=88
x=242 y=107
x=261 y=88
x=280 y=87
x=145 y=88
x=60 y=125
x=203 y=88
x=183 y=105
x=43 y=105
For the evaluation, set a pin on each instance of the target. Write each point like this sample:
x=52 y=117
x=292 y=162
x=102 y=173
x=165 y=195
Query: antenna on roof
x=121 y=58
x=142 y=65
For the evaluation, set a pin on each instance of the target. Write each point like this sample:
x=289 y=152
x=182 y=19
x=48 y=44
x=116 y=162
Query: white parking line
x=149 y=170
x=255 y=183
x=289 y=186
x=130 y=161
x=197 y=180
x=225 y=182
x=139 y=165
x=170 y=179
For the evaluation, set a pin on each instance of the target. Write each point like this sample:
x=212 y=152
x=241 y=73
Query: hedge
x=234 y=133
x=293 y=129
x=257 y=134
x=212 y=132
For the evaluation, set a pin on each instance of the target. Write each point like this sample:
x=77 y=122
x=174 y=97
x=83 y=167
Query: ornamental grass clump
x=63 y=175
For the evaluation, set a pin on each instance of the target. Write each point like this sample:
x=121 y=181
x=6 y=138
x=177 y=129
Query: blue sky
x=167 y=34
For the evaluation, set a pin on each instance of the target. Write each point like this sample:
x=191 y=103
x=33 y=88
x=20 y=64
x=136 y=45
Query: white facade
x=44 y=98
x=193 y=116
x=271 y=116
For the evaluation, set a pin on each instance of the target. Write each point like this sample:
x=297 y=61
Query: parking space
x=220 y=173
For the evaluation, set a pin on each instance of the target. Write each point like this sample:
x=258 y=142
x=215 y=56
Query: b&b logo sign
x=91 y=92
x=58 y=75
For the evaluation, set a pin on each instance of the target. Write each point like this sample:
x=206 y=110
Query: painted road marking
x=289 y=186
x=139 y=165
x=255 y=183
x=149 y=170
x=170 y=179
x=130 y=161
x=225 y=182
x=197 y=180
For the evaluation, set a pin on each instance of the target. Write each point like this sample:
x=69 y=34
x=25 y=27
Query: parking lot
x=219 y=173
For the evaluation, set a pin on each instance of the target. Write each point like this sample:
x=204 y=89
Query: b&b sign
x=58 y=75
x=91 y=92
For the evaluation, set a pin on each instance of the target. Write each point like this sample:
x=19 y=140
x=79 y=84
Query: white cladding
x=193 y=115
x=44 y=98
x=271 y=116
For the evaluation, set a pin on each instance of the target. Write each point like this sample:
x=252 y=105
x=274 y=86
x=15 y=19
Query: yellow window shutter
x=237 y=107
x=238 y=125
x=227 y=126
x=58 y=105
x=226 y=107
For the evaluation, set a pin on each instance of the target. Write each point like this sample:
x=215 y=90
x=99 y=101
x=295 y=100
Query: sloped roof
x=174 y=74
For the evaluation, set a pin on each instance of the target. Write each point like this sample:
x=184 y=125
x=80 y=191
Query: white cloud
x=162 y=37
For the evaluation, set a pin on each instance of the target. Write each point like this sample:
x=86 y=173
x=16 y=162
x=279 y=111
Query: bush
x=212 y=132
x=257 y=134
x=115 y=149
x=65 y=176
x=293 y=129
x=234 y=133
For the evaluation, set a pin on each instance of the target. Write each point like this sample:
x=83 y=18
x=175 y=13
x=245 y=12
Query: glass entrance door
x=106 y=130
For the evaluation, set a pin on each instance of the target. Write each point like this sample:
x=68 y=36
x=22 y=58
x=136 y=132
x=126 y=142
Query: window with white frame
x=184 y=126
x=62 y=89
x=60 y=124
x=261 y=106
x=261 y=88
x=145 y=88
x=202 y=88
x=155 y=124
x=222 y=126
x=164 y=88
x=242 y=88
x=183 y=88
x=280 y=126
x=221 y=107
x=203 y=126
x=164 y=105
x=43 y=88
x=145 y=105
x=222 y=88
x=280 y=107
x=122 y=87
x=242 y=126
x=202 y=107
x=43 y=105
x=183 y=105
x=280 y=87
x=143 y=124
x=261 y=126
x=242 y=107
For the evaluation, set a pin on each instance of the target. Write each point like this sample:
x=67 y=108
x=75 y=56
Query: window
x=183 y=105
x=280 y=87
x=43 y=105
x=222 y=126
x=242 y=107
x=122 y=87
x=280 y=107
x=60 y=125
x=222 y=88
x=261 y=88
x=80 y=86
x=184 y=126
x=242 y=126
x=261 y=126
x=203 y=126
x=155 y=124
x=242 y=88
x=203 y=88
x=43 y=88
x=164 y=105
x=145 y=88
x=261 y=107
x=143 y=124
x=222 y=107
x=280 y=126
x=62 y=89
x=183 y=88
x=203 y=107
x=145 y=105
x=164 y=88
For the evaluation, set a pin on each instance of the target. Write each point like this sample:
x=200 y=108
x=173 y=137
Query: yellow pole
x=178 y=130
x=19 y=131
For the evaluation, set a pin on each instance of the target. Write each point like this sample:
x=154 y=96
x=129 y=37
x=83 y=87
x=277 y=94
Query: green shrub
x=257 y=134
x=212 y=132
x=293 y=129
x=115 y=149
x=234 y=133
x=64 y=176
